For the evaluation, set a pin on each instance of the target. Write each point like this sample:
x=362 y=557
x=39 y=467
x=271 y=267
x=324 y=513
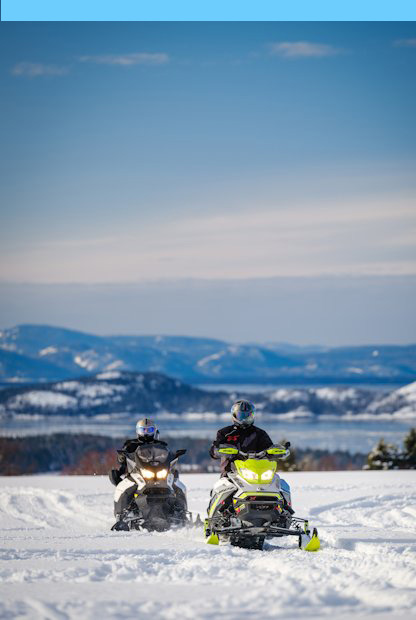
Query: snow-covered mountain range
x=30 y=353
x=114 y=392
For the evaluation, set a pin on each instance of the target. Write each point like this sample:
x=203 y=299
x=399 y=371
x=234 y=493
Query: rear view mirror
x=179 y=453
x=287 y=445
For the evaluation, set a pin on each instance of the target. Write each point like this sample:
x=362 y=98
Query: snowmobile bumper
x=306 y=541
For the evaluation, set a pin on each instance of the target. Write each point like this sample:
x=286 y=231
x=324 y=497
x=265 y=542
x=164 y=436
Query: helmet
x=146 y=429
x=243 y=412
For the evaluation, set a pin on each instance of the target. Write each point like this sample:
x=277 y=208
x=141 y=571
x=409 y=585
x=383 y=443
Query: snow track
x=58 y=559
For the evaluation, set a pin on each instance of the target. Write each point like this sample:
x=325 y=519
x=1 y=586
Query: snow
x=111 y=374
x=42 y=398
x=336 y=395
x=114 y=365
x=58 y=559
x=86 y=362
x=295 y=414
x=409 y=391
x=92 y=360
x=48 y=351
x=69 y=386
x=90 y=390
x=285 y=395
x=355 y=370
x=400 y=403
x=211 y=358
x=95 y=390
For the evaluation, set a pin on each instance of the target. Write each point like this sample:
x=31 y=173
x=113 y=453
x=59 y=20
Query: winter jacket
x=130 y=446
x=245 y=438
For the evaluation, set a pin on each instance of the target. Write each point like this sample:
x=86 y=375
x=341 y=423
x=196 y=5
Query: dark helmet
x=243 y=412
x=146 y=429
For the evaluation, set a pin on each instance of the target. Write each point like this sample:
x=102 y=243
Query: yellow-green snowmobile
x=252 y=503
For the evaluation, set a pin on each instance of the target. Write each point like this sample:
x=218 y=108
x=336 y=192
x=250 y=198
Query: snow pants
x=123 y=495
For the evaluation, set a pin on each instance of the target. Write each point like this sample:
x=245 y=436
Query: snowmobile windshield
x=256 y=471
x=152 y=454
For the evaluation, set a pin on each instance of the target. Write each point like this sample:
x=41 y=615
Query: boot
x=120 y=525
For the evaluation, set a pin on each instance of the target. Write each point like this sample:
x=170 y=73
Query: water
x=256 y=388
x=333 y=434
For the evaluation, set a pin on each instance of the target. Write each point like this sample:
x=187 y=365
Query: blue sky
x=162 y=151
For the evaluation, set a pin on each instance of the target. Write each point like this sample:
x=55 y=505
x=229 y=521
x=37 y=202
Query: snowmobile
x=159 y=501
x=252 y=503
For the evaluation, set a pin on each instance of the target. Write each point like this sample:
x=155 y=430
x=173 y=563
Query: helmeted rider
x=147 y=432
x=242 y=434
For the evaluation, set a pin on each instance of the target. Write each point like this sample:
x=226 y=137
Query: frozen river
x=331 y=434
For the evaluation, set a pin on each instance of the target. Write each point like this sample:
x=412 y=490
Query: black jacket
x=130 y=446
x=246 y=438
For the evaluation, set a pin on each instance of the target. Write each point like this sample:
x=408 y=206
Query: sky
x=149 y=154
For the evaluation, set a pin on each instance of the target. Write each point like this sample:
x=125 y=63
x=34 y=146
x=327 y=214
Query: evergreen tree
x=409 y=444
x=383 y=456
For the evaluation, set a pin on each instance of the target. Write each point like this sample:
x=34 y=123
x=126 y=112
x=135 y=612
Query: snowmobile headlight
x=268 y=474
x=248 y=474
x=146 y=473
x=162 y=473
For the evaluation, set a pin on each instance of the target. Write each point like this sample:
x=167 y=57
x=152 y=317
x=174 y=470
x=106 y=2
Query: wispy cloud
x=302 y=49
x=405 y=43
x=37 y=69
x=354 y=237
x=127 y=60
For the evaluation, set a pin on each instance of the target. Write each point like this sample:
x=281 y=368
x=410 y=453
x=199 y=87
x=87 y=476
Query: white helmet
x=146 y=428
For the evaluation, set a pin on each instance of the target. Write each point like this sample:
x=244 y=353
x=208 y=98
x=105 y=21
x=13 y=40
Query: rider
x=147 y=433
x=241 y=434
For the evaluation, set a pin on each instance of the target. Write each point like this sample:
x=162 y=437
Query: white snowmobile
x=253 y=503
x=159 y=501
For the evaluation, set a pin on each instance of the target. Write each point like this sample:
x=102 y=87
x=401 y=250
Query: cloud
x=405 y=43
x=354 y=237
x=37 y=69
x=127 y=60
x=302 y=49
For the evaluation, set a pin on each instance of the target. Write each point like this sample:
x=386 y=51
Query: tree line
x=87 y=454
x=390 y=456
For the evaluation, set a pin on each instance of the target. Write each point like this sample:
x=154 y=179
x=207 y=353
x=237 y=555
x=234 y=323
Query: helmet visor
x=146 y=430
x=244 y=416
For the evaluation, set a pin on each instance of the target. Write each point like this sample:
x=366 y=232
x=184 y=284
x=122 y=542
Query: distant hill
x=121 y=392
x=43 y=353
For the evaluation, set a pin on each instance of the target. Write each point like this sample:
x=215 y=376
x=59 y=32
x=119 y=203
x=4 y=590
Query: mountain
x=110 y=392
x=15 y=368
x=117 y=392
x=51 y=353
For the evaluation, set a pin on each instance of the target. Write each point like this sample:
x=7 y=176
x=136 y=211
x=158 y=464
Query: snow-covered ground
x=58 y=559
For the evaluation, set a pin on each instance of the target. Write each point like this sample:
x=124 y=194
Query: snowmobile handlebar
x=273 y=453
